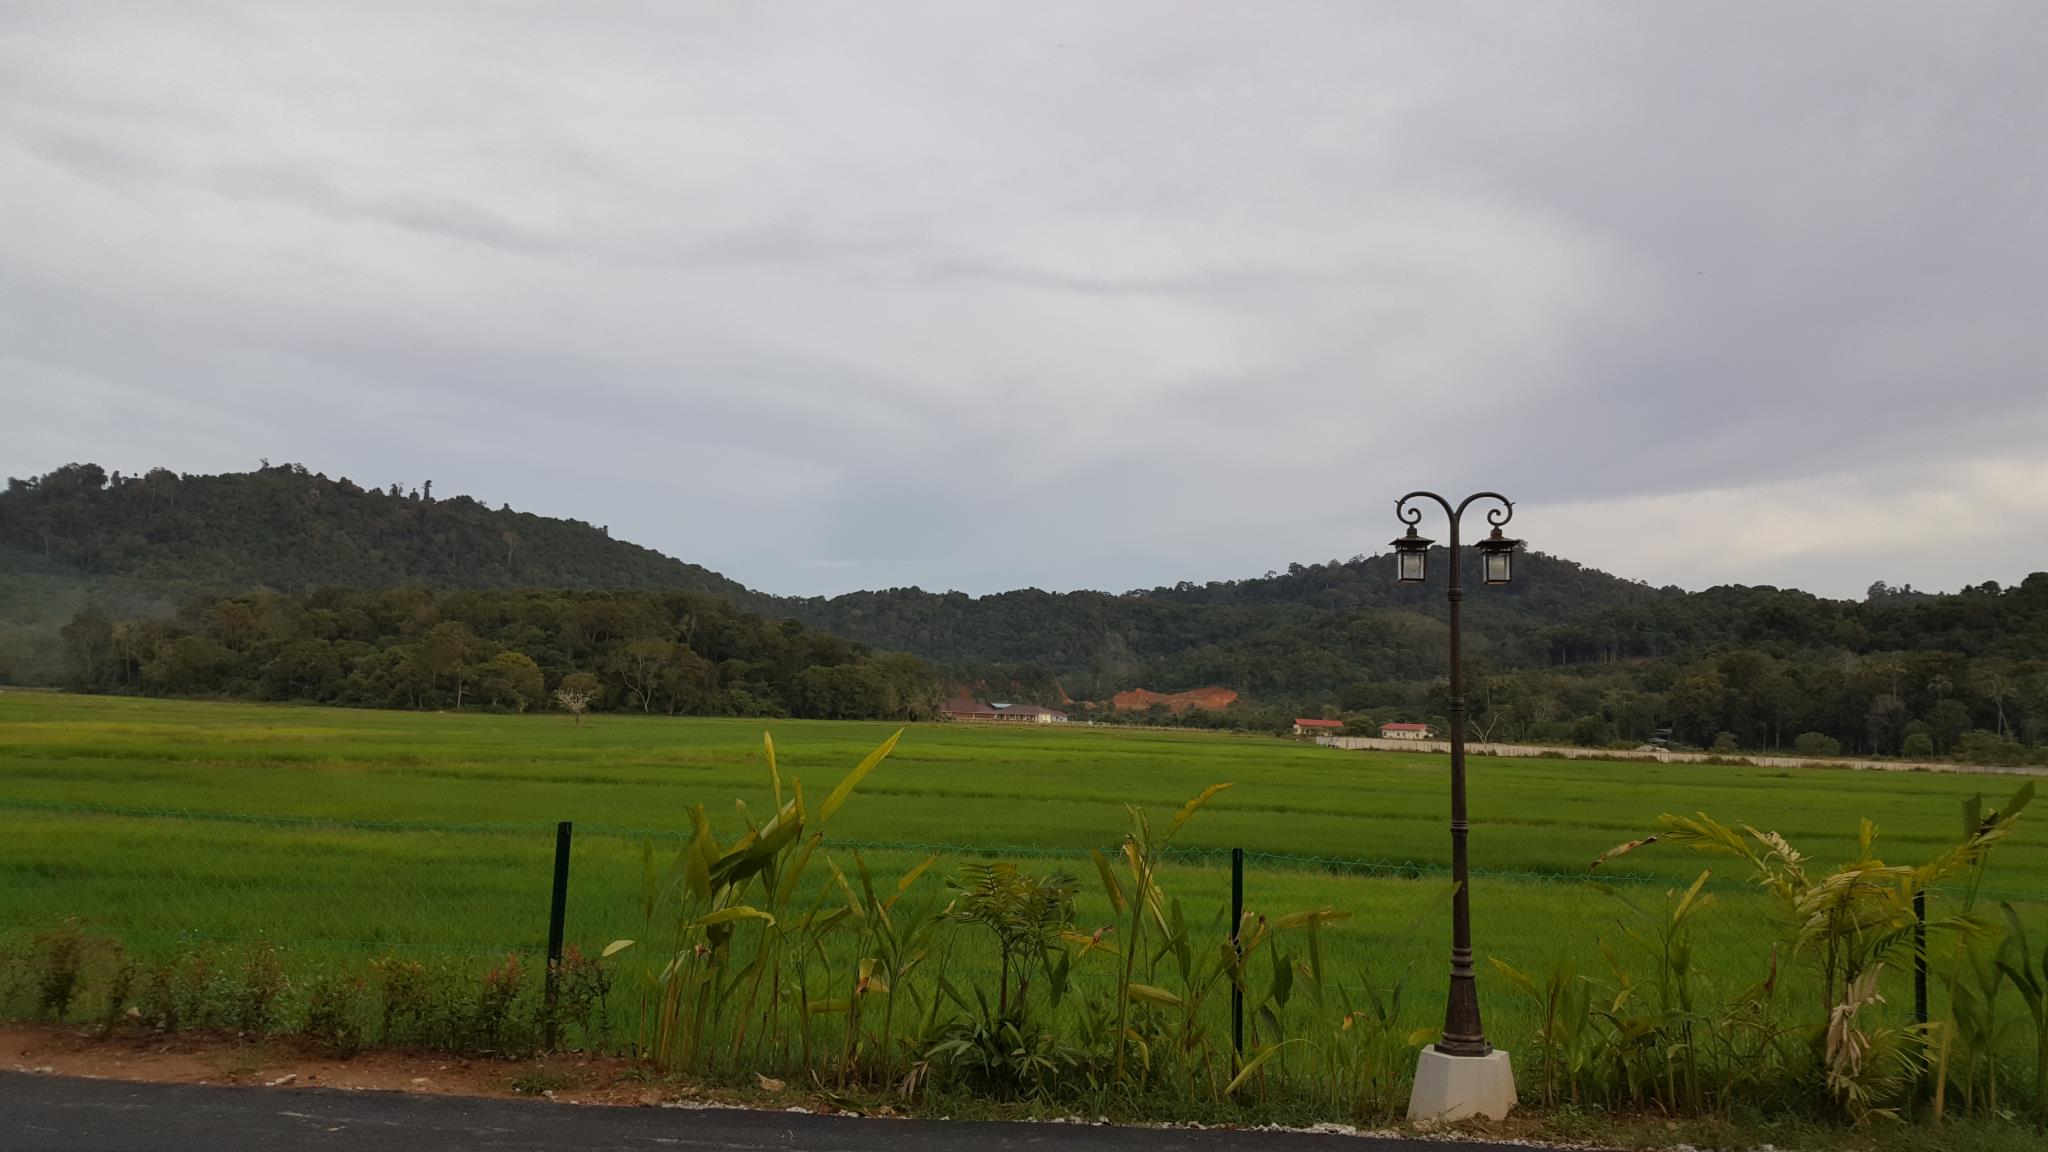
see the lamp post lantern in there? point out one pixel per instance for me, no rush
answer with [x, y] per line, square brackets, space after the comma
[1461, 1075]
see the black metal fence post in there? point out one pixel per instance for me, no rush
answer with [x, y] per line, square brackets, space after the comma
[1236, 919]
[1920, 965]
[1920, 956]
[558, 912]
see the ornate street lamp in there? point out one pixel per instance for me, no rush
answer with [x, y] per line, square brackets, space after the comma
[1461, 1075]
[1411, 557]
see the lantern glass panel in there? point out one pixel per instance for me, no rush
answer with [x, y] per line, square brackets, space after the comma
[1498, 566]
[1412, 566]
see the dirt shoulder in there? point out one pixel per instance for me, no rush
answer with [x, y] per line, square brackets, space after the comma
[217, 1060]
[187, 1058]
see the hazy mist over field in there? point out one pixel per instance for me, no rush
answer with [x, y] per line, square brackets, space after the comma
[982, 295]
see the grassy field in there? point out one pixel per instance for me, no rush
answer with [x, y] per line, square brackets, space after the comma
[327, 829]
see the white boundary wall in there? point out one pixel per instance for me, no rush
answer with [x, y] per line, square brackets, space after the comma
[1480, 748]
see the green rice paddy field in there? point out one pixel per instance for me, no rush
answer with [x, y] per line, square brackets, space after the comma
[322, 830]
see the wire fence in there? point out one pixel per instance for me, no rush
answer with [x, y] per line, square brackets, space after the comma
[163, 879]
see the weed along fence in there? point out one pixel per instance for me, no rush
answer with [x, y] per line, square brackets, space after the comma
[1256, 979]
[165, 878]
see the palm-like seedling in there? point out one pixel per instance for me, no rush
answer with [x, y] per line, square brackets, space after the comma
[2016, 962]
[1852, 920]
[707, 895]
[889, 945]
[1143, 902]
[1026, 914]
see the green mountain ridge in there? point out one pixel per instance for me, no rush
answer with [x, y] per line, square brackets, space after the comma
[139, 544]
[1564, 653]
[288, 529]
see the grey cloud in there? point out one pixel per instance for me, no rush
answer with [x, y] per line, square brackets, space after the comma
[1188, 290]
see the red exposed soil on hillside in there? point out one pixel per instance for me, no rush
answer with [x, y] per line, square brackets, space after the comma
[1140, 699]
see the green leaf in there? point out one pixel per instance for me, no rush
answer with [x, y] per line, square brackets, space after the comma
[616, 947]
[1256, 1062]
[1151, 994]
[1692, 893]
[911, 876]
[1109, 884]
[2024, 981]
[852, 901]
[1309, 918]
[854, 777]
[699, 855]
[795, 871]
[1188, 810]
[1516, 978]
[728, 915]
[1622, 849]
[774, 776]
[2019, 801]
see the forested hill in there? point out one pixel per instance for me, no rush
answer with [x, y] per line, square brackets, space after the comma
[144, 567]
[1310, 630]
[286, 529]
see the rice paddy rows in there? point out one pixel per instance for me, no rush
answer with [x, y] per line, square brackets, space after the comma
[324, 829]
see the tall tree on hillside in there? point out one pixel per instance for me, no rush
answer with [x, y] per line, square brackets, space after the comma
[1950, 719]
[687, 681]
[639, 665]
[510, 679]
[449, 649]
[89, 637]
[1994, 682]
[1885, 723]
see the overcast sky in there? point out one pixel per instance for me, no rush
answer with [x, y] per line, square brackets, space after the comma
[1094, 295]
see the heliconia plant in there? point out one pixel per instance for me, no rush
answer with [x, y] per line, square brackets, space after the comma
[770, 954]
[707, 894]
[1849, 922]
[1134, 906]
[2016, 962]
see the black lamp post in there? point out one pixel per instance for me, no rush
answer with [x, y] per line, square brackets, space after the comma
[1463, 1034]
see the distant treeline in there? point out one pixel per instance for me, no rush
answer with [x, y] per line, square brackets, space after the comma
[1304, 634]
[1565, 653]
[1899, 673]
[654, 652]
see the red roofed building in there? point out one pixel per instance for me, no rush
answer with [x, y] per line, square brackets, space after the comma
[1304, 727]
[974, 710]
[1404, 731]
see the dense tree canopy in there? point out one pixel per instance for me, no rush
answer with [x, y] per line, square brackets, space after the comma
[287, 529]
[1309, 631]
[654, 652]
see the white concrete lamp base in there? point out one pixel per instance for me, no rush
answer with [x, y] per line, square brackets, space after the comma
[1460, 1087]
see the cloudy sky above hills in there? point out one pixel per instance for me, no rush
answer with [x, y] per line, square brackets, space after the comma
[983, 295]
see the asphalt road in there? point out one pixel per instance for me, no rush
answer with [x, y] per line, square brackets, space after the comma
[42, 1113]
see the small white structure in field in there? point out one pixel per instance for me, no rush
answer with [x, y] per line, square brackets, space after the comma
[977, 712]
[1404, 731]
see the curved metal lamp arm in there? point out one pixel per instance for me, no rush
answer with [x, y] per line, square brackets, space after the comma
[1413, 516]
[1497, 517]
